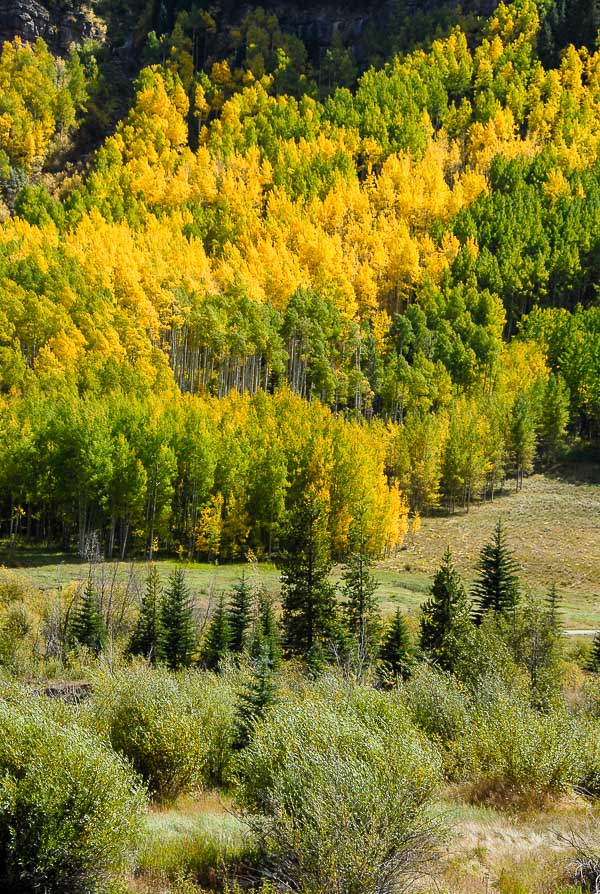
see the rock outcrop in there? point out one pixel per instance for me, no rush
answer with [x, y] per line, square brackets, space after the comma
[60, 25]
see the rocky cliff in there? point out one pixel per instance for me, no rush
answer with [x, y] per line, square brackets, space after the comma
[60, 25]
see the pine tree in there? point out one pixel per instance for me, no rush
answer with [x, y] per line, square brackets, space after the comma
[178, 635]
[395, 653]
[497, 588]
[593, 663]
[445, 619]
[265, 631]
[87, 627]
[218, 638]
[308, 597]
[257, 695]
[147, 635]
[239, 614]
[361, 608]
[553, 608]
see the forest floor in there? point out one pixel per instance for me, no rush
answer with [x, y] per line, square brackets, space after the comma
[553, 526]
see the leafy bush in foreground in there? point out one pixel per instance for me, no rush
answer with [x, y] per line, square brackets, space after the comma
[343, 781]
[512, 748]
[174, 730]
[69, 810]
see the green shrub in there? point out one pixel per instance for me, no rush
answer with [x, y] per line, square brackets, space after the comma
[343, 781]
[69, 809]
[510, 748]
[174, 730]
[439, 705]
[214, 697]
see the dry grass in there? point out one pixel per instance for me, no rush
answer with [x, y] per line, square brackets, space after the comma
[514, 854]
[553, 526]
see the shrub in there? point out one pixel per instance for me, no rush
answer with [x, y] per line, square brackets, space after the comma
[510, 748]
[214, 697]
[69, 809]
[438, 704]
[174, 731]
[343, 781]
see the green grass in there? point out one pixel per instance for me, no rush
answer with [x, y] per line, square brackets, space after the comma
[199, 840]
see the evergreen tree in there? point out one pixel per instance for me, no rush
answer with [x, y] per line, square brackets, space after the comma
[308, 597]
[87, 626]
[147, 635]
[265, 631]
[239, 614]
[363, 618]
[218, 638]
[257, 695]
[593, 663]
[553, 608]
[178, 634]
[445, 619]
[395, 653]
[497, 587]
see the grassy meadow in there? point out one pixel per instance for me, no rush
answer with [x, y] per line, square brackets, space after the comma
[552, 525]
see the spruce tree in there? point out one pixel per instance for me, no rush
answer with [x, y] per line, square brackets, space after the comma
[239, 614]
[497, 586]
[593, 663]
[309, 609]
[445, 618]
[361, 608]
[218, 638]
[395, 653]
[257, 695]
[87, 626]
[553, 602]
[146, 639]
[265, 631]
[178, 634]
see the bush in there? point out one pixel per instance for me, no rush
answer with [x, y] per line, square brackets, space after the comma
[214, 697]
[512, 749]
[69, 809]
[343, 781]
[438, 704]
[174, 731]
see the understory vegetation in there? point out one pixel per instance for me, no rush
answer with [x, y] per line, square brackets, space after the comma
[313, 749]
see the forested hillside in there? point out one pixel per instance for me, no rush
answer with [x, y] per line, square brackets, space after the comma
[265, 283]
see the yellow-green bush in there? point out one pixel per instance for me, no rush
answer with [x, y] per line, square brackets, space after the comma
[69, 807]
[174, 730]
[343, 781]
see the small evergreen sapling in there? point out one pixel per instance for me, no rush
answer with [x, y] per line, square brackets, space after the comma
[256, 697]
[361, 608]
[239, 614]
[309, 608]
[178, 635]
[445, 619]
[593, 663]
[146, 639]
[87, 627]
[265, 631]
[396, 653]
[218, 638]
